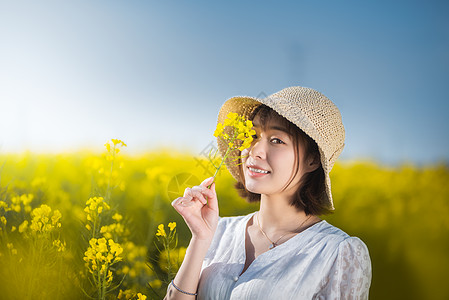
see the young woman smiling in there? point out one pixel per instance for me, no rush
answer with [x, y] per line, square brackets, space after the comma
[284, 250]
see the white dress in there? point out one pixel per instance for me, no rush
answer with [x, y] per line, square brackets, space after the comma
[322, 262]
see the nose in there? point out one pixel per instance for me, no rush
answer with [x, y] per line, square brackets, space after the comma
[257, 150]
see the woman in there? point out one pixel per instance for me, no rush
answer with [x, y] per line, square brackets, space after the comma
[284, 250]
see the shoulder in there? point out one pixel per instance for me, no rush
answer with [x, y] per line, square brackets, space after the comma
[348, 251]
[334, 242]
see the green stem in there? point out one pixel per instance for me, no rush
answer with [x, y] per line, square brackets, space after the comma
[222, 161]
[108, 190]
[167, 248]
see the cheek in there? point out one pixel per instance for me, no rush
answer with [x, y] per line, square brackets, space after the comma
[285, 161]
[244, 155]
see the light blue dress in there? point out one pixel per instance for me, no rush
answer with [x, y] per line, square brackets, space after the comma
[322, 262]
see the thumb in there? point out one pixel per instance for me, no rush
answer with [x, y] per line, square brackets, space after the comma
[207, 181]
[213, 202]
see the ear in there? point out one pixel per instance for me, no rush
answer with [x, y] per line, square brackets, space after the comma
[313, 163]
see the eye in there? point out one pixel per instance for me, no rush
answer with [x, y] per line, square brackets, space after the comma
[277, 141]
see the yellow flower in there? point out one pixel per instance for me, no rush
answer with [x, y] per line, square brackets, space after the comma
[56, 216]
[141, 297]
[117, 141]
[117, 217]
[172, 225]
[4, 205]
[238, 137]
[23, 226]
[127, 294]
[102, 254]
[161, 230]
[59, 245]
[231, 120]
[41, 217]
[218, 130]
[109, 278]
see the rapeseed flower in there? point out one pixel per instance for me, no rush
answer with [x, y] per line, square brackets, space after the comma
[102, 253]
[236, 132]
[60, 246]
[94, 207]
[161, 231]
[43, 220]
[141, 297]
[117, 217]
[129, 295]
[114, 229]
[99, 257]
[172, 225]
[23, 227]
[167, 261]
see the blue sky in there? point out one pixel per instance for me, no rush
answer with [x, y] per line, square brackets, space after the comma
[74, 74]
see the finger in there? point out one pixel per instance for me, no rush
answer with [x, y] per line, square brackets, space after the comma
[213, 201]
[204, 190]
[182, 202]
[207, 181]
[197, 193]
[207, 192]
[193, 195]
[187, 192]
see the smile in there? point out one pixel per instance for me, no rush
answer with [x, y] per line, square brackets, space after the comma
[258, 170]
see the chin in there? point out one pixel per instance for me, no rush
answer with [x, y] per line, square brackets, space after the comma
[253, 187]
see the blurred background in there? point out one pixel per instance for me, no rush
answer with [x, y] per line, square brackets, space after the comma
[155, 73]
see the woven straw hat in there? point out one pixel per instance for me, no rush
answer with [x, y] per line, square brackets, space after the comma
[308, 109]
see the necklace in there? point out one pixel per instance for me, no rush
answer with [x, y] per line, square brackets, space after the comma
[274, 244]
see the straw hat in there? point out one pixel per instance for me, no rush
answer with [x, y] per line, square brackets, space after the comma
[308, 109]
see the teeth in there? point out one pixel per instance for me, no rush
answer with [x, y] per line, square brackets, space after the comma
[258, 170]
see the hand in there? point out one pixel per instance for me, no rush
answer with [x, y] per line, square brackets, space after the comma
[199, 208]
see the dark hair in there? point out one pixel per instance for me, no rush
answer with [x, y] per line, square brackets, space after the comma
[310, 195]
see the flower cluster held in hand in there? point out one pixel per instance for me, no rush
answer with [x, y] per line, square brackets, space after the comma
[237, 133]
[241, 131]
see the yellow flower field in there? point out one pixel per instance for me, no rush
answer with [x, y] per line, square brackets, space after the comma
[81, 225]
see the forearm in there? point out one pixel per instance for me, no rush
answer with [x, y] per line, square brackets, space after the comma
[187, 278]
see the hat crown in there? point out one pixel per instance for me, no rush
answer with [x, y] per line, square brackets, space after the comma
[313, 113]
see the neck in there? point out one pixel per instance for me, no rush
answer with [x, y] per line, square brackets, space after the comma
[277, 215]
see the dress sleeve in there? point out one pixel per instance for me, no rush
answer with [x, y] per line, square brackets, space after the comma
[350, 274]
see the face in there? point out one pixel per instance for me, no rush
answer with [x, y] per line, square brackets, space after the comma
[269, 164]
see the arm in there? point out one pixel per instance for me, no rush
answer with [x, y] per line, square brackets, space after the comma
[350, 275]
[201, 216]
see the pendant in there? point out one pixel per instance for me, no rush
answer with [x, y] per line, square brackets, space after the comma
[272, 246]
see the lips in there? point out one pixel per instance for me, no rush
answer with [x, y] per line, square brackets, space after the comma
[256, 171]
